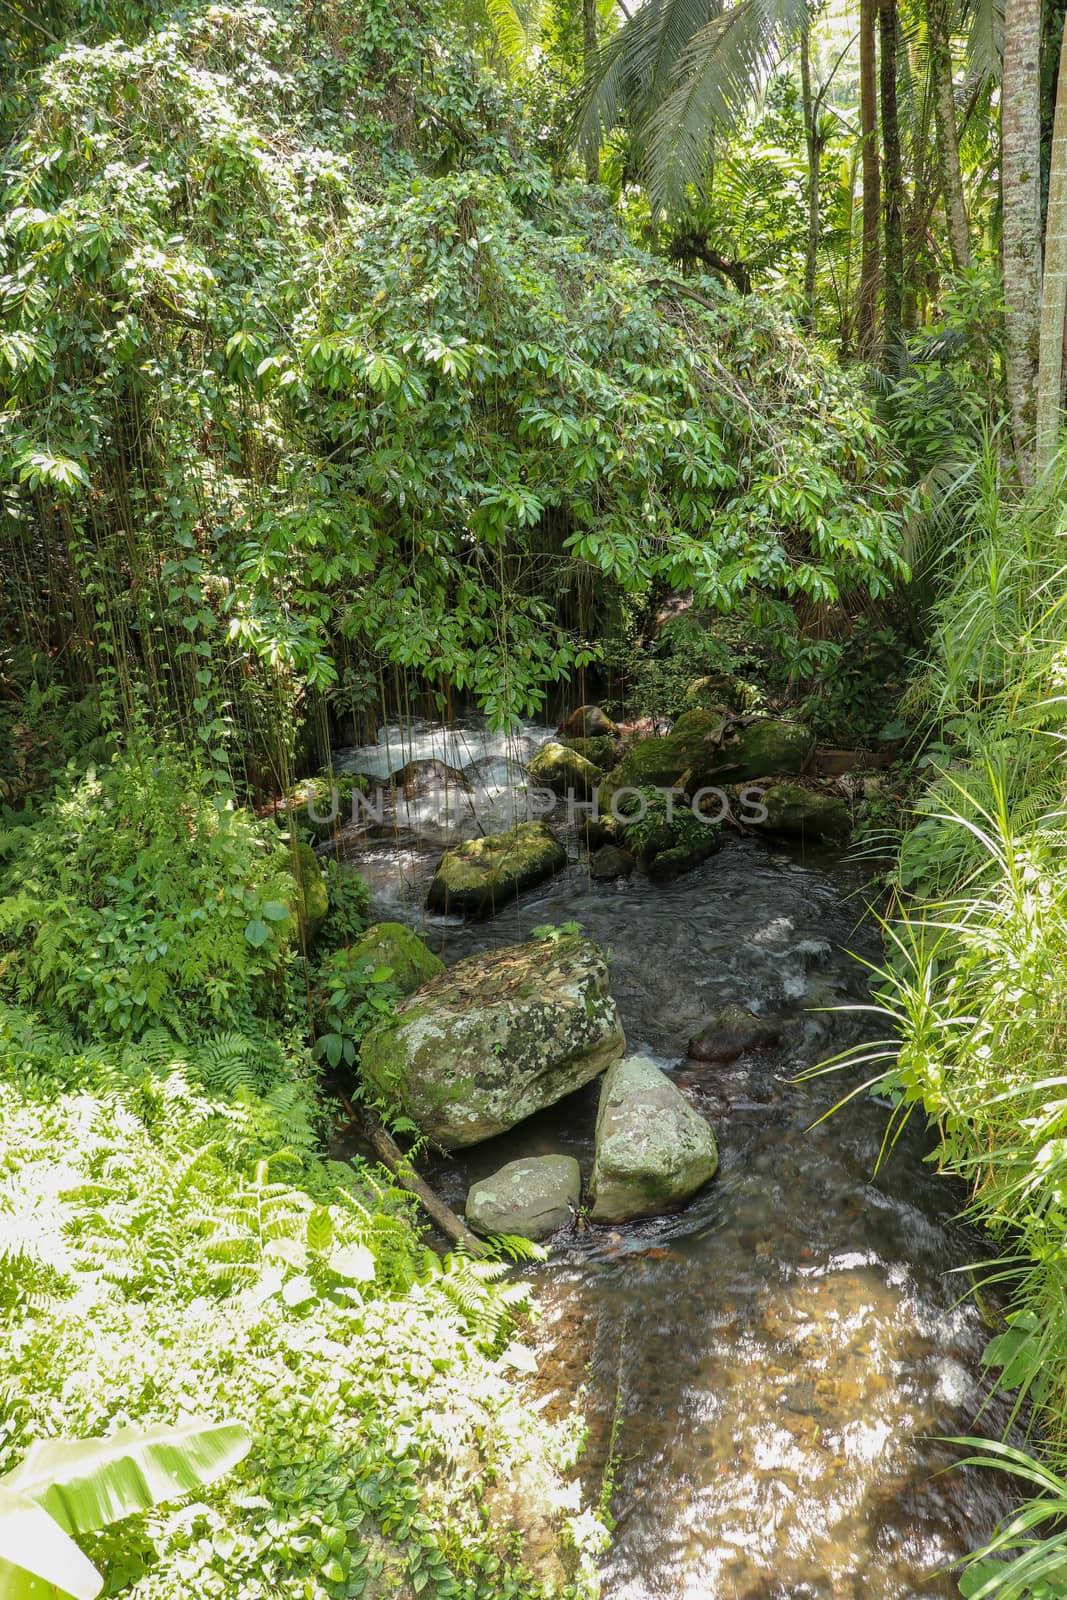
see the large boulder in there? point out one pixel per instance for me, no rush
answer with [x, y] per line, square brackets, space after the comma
[799, 813]
[662, 759]
[391, 944]
[560, 768]
[477, 878]
[652, 1149]
[417, 778]
[310, 902]
[532, 1198]
[609, 863]
[496, 1038]
[762, 749]
[588, 722]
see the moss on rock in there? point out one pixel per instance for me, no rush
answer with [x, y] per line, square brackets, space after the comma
[560, 768]
[478, 877]
[800, 813]
[391, 944]
[496, 1038]
[310, 901]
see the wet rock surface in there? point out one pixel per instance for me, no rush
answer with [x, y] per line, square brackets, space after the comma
[653, 1150]
[533, 1198]
[484, 874]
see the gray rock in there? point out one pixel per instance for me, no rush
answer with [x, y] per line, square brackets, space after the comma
[799, 813]
[652, 1149]
[496, 1038]
[531, 1198]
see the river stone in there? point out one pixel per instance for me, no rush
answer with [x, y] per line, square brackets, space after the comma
[495, 1038]
[588, 722]
[391, 944]
[599, 750]
[476, 878]
[558, 767]
[652, 1149]
[310, 902]
[729, 1033]
[801, 813]
[531, 1198]
[608, 863]
[661, 759]
[760, 749]
[426, 777]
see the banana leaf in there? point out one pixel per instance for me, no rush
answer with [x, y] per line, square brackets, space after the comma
[37, 1560]
[86, 1484]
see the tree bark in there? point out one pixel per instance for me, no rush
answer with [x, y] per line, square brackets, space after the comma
[811, 141]
[589, 49]
[893, 216]
[870, 257]
[1054, 284]
[948, 147]
[1021, 205]
[390, 1155]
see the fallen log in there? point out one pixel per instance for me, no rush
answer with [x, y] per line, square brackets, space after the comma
[390, 1155]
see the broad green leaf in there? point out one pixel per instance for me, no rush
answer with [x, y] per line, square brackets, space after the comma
[86, 1484]
[257, 933]
[354, 1262]
[36, 1556]
[276, 911]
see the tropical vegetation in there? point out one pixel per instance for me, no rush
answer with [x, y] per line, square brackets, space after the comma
[357, 354]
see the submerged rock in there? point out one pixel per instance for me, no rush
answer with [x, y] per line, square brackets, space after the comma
[760, 749]
[560, 768]
[479, 876]
[731, 1032]
[608, 863]
[496, 1038]
[532, 1198]
[806, 813]
[586, 723]
[426, 777]
[310, 901]
[391, 944]
[652, 1149]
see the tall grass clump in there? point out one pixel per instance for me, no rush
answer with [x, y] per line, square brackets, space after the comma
[974, 987]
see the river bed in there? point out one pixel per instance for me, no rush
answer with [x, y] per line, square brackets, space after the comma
[780, 1357]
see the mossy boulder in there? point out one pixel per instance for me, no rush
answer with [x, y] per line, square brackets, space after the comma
[478, 877]
[653, 1150]
[762, 749]
[532, 1198]
[496, 1038]
[609, 862]
[731, 1032]
[799, 813]
[587, 722]
[715, 690]
[391, 944]
[558, 767]
[600, 751]
[310, 902]
[660, 760]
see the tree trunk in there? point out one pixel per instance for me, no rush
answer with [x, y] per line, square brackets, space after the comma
[948, 148]
[870, 257]
[1021, 206]
[888, 27]
[811, 141]
[589, 49]
[1054, 283]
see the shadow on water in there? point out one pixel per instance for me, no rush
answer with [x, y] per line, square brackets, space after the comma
[783, 1353]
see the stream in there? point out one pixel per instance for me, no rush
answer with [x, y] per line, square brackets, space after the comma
[780, 1356]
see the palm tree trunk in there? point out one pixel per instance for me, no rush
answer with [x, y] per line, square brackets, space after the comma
[1021, 204]
[811, 141]
[888, 28]
[1054, 283]
[589, 49]
[948, 148]
[870, 255]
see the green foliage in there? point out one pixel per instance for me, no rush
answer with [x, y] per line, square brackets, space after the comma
[354, 994]
[349, 906]
[855, 701]
[309, 256]
[137, 900]
[292, 1295]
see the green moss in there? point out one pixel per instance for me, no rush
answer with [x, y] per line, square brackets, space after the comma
[562, 769]
[476, 877]
[310, 901]
[599, 750]
[391, 944]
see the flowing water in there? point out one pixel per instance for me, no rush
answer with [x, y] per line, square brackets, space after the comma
[779, 1358]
